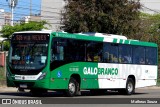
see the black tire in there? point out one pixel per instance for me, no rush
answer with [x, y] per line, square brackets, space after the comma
[72, 88]
[130, 87]
[38, 92]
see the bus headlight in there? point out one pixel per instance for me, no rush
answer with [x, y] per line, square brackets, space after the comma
[42, 76]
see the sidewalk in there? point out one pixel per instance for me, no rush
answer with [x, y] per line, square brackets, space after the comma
[150, 87]
[7, 89]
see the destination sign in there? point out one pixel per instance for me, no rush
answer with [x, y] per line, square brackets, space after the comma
[30, 37]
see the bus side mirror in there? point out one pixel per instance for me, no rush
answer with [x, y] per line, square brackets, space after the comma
[2, 44]
[1, 47]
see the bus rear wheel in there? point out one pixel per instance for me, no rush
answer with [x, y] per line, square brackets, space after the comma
[72, 88]
[130, 87]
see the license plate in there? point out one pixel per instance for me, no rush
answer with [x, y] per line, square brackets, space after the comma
[23, 85]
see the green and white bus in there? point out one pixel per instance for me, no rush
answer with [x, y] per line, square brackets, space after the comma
[43, 60]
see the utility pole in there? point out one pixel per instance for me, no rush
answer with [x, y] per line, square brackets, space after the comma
[30, 7]
[12, 5]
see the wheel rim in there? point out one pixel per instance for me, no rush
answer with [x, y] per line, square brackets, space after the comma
[130, 87]
[72, 88]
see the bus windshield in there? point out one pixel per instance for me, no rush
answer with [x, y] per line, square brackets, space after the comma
[28, 51]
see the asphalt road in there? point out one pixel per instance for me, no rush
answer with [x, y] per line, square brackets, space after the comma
[146, 93]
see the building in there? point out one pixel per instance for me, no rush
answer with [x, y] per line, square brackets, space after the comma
[2, 21]
[5, 18]
[8, 17]
[51, 12]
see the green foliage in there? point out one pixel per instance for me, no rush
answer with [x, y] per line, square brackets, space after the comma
[8, 30]
[6, 45]
[107, 16]
[150, 29]
[158, 82]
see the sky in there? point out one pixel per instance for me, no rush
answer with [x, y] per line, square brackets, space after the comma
[23, 8]
[152, 5]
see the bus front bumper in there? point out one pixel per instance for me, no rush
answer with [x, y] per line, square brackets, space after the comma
[28, 84]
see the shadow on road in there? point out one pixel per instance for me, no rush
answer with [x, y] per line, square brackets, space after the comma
[59, 94]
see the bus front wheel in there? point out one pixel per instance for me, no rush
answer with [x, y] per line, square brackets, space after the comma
[72, 88]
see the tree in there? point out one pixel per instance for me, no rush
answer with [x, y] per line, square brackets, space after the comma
[7, 30]
[107, 16]
[150, 29]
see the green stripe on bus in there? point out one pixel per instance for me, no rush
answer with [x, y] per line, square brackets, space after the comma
[121, 41]
[77, 36]
[126, 42]
[141, 43]
[114, 40]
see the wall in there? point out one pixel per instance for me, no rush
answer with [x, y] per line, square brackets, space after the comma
[51, 11]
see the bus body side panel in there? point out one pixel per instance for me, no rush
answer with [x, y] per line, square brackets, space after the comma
[103, 75]
[145, 75]
[60, 76]
[94, 76]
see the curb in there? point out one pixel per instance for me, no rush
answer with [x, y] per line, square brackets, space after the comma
[150, 87]
[7, 89]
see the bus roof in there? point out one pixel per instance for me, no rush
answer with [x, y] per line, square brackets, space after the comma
[44, 31]
[106, 38]
[99, 37]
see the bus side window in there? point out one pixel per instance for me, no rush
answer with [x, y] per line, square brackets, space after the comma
[106, 54]
[141, 61]
[94, 51]
[125, 54]
[54, 51]
[57, 51]
[138, 55]
[110, 53]
[151, 56]
[89, 57]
